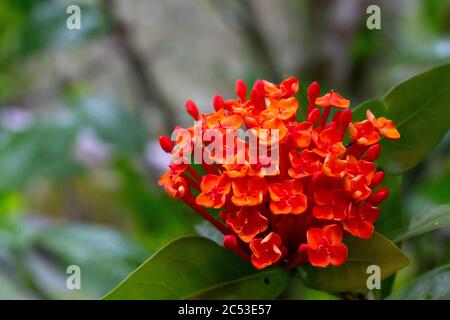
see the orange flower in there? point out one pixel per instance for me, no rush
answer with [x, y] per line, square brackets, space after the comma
[267, 251]
[174, 186]
[247, 222]
[239, 166]
[384, 126]
[248, 191]
[333, 99]
[361, 167]
[299, 135]
[287, 197]
[334, 167]
[360, 220]
[322, 185]
[218, 120]
[270, 131]
[328, 141]
[283, 109]
[336, 208]
[304, 164]
[264, 166]
[364, 133]
[286, 89]
[325, 246]
[214, 190]
[357, 187]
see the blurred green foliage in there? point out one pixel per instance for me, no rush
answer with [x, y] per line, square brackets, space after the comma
[102, 210]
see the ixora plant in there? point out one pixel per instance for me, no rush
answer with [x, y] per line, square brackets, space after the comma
[302, 192]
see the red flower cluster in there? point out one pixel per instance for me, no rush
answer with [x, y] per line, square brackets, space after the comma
[320, 191]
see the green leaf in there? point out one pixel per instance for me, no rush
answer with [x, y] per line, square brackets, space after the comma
[104, 255]
[352, 275]
[433, 285]
[419, 109]
[392, 217]
[197, 268]
[430, 220]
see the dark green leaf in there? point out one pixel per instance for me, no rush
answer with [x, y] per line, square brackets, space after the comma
[419, 109]
[392, 218]
[430, 220]
[433, 285]
[352, 275]
[197, 268]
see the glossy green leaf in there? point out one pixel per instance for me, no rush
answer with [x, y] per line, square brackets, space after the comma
[197, 268]
[430, 220]
[392, 217]
[352, 275]
[433, 285]
[419, 109]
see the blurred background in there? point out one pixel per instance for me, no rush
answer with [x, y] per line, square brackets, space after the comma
[81, 111]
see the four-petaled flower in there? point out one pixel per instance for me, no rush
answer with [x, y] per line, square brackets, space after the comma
[360, 220]
[248, 191]
[325, 246]
[266, 251]
[214, 191]
[247, 222]
[287, 197]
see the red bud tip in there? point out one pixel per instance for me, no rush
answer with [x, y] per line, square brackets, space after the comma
[258, 94]
[313, 91]
[192, 109]
[218, 102]
[377, 179]
[337, 117]
[231, 242]
[346, 118]
[166, 144]
[241, 90]
[373, 153]
[314, 116]
[378, 197]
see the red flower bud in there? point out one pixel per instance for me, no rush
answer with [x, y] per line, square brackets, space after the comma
[257, 96]
[373, 153]
[231, 242]
[314, 116]
[377, 179]
[241, 90]
[313, 91]
[166, 144]
[337, 117]
[218, 102]
[192, 109]
[345, 119]
[378, 197]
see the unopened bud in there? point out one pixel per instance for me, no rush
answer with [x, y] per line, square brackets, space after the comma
[218, 102]
[377, 179]
[241, 90]
[373, 152]
[166, 144]
[314, 116]
[346, 118]
[378, 197]
[313, 91]
[192, 109]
